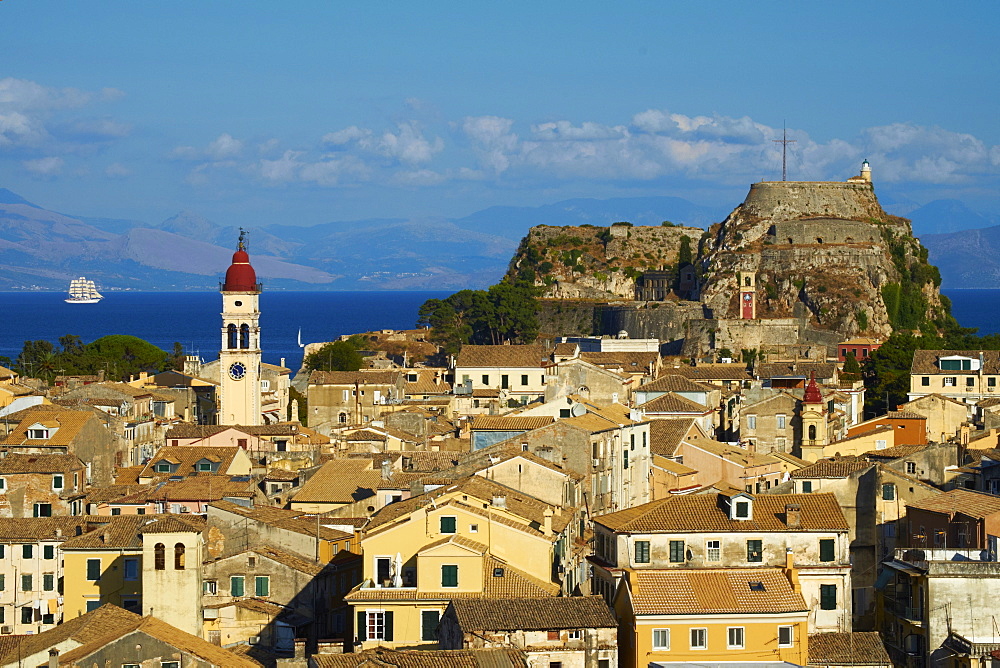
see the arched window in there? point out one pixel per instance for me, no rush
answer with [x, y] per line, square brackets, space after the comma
[160, 551]
[812, 432]
[231, 330]
[244, 336]
[179, 557]
[342, 418]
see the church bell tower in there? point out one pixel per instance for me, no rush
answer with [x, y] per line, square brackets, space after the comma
[239, 359]
[748, 295]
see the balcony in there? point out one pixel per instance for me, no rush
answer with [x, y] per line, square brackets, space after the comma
[904, 610]
[920, 556]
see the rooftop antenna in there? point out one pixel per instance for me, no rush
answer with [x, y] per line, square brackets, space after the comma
[784, 141]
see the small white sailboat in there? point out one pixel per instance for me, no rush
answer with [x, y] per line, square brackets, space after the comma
[301, 345]
[83, 291]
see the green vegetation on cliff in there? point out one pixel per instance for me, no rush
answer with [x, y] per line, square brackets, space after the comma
[506, 313]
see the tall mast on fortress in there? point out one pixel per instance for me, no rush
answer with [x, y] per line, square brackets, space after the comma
[784, 141]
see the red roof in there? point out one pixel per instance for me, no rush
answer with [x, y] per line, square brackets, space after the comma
[240, 277]
[813, 395]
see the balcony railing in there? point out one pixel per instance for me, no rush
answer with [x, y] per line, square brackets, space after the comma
[922, 555]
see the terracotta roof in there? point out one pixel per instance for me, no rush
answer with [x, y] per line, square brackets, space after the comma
[128, 475]
[790, 459]
[732, 453]
[289, 520]
[69, 424]
[203, 488]
[674, 403]
[860, 648]
[904, 415]
[565, 349]
[626, 361]
[511, 423]
[925, 362]
[340, 481]
[187, 457]
[832, 468]
[714, 591]
[288, 559]
[16, 462]
[988, 402]
[966, 501]
[165, 633]
[206, 430]
[94, 625]
[125, 531]
[796, 369]
[34, 529]
[698, 513]
[894, 452]
[709, 372]
[119, 494]
[533, 614]
[354, 377]
[383, 657]
[674, 467]
[524, 356]
[281, 475]
[672, 382]
[666, 435]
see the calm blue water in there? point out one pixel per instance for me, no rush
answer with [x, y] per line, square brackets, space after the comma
[193, 318]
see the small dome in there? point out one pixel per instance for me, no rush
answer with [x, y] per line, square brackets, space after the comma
[240, 277]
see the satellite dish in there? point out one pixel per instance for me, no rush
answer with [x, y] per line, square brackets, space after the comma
[578, 410]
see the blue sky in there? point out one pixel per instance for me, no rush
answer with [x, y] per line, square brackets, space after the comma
[307, 112]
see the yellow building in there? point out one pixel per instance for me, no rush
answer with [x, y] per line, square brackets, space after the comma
[708, 616]
[474, 538]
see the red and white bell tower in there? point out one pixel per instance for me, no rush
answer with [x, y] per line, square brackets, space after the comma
[748, 295]
[239, 358]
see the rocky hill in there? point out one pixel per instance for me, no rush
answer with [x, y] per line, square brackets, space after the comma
[826, 254]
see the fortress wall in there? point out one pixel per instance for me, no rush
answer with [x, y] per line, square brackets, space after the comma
[713, 334]
[795, 199]
[658, 320]
[824, 231]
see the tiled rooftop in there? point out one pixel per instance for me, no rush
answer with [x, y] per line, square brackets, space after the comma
[714, 591]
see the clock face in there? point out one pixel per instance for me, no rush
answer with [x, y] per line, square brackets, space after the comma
[747, 297]
[237, 370]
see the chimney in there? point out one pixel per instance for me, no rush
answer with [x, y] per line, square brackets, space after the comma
[791, 572]
[300, 648]
[547, 521]
[53, 658]
[386, 469]
[58, 533]
[793, 516]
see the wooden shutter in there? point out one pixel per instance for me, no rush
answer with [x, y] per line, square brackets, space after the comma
[387, 635]
[362, 633]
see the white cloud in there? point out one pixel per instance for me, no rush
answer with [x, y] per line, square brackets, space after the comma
[50, 166]
[492, 140]
[117, 170]
[224, 146]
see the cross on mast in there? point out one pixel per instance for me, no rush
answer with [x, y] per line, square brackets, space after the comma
[784, 141]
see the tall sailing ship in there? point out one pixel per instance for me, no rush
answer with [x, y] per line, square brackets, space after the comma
[83, 291]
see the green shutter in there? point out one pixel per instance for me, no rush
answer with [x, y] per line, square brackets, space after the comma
[236, 585]
[262, 585]
[93, 569]
[48, 552]
[388, 625]
[826, 549]
[888, 491]
[828, 597]
[362, 630]
[448, 524]
[48, 582]
[642, 551]
[676, 551]
[449, 575]
[26, 583]
[2, 583]
[429, 625]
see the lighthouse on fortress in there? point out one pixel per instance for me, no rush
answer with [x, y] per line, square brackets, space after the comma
[239, 358]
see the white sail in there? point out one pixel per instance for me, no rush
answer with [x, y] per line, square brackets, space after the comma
[83, 291]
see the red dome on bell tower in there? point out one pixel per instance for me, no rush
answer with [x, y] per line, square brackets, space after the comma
[812, 395]
[240, 277]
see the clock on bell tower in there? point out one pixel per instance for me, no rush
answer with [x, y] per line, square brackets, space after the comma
[748, 295]
[239, 358]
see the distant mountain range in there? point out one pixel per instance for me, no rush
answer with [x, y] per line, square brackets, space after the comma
[43, 250]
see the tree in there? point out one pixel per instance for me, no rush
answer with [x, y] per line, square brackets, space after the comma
[507, 312]
[336, 356]
[35, 360]
[852, 370]
[122, 356]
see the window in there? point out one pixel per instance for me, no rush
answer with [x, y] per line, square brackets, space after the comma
[699, 638]
[383, 567]
[807, 486]
[179, 557]
[827, 549]
[244, 335]
[661, 639]
[755, 550]
[93, 569]
[3, 586]
[991, 381]
[524, 379]
[26, 583]
[170, 664]
[925, 381]
[210, 587]
[93, 604]
[574, 634]
[949, 381]
[132, 569]
[57, 482]
[676, 551]
[812, 432]
[262, 585]
[642, 551]
[734, 637]
[625, 458]
[970, 381]
[231, 331]
[742, 509]
[236, 585]
[160, 556]
[205, 466]
[48, 582]
[429, 625]
[27, 551]
[449, 575]
[27, 614]
[911, 467]
[780, 420]
[713, 550]
[880, 444]
[42, 510]
[448, 524]
[162, 467]
[786, 636]
[375, 625]
[486, 379]
[888, 492]
[48, 552]
[751, 422]
[828, 597]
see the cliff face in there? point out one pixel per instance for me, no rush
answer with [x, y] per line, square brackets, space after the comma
[827, 246]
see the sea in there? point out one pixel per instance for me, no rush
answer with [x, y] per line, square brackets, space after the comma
[193, 319]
